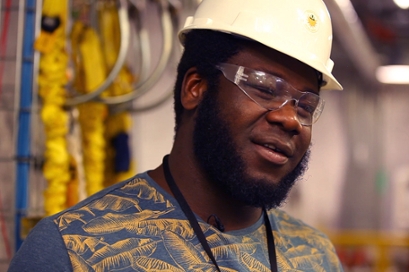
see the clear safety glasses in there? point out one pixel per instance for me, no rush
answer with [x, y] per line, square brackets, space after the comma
[272, 93]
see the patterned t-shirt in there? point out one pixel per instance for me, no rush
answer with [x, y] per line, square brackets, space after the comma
[137, 226]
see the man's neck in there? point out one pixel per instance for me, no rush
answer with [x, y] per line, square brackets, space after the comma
[204, 197]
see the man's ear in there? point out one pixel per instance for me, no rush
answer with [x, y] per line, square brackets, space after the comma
[193, 88]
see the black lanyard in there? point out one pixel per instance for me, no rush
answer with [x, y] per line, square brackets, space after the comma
[198, 231]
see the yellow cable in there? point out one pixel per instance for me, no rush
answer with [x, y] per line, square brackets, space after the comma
[91, 72]
[120, 122]
[52, 79]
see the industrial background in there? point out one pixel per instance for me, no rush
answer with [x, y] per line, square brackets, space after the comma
[81, 80]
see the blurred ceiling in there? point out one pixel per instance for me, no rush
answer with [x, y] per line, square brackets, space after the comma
[368, 34]
[387, 27]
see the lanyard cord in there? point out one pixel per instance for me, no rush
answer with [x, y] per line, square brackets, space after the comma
[198, 231]
[186, 209]
[270, 242]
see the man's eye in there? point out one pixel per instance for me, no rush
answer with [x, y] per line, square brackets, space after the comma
[307, 107]
[266, 90]
[262, 89]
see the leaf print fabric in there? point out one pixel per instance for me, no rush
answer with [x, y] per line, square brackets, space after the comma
[137, 226]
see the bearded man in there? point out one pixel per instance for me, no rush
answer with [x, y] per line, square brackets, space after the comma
[247, 94]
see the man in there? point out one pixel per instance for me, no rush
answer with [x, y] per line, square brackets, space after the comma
[246, 96]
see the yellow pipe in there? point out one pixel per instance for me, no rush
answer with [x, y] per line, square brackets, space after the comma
[382, 241]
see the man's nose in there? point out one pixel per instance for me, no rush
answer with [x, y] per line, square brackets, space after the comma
[286, 115]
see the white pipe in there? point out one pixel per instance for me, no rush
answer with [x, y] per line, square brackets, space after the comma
[352, 36]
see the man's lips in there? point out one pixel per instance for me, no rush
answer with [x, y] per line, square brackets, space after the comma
[275, 152]
[277, 146]
[273, 148]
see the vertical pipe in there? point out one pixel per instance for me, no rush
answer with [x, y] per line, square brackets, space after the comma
[17, 91]
[35, 196]
[24, 115]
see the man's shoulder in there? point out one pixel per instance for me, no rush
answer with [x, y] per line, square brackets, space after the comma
[296, 238]
[132, 196]
[285, 220]
[293, 228]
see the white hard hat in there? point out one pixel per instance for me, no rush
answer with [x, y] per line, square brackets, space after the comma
[298, 28]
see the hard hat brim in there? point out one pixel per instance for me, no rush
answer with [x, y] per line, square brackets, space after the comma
[285, 47]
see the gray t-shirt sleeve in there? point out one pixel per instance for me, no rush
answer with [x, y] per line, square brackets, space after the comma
[42, 250]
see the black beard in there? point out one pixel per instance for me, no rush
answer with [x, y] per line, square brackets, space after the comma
[222, 164]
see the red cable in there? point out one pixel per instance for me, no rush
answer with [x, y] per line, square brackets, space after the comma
[3, 50]
[3, 41]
